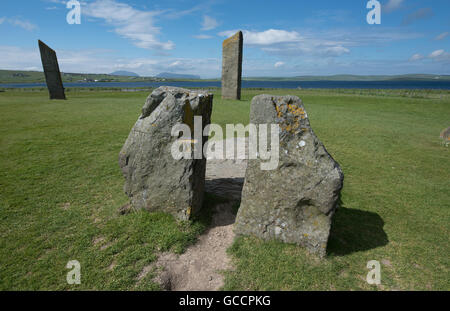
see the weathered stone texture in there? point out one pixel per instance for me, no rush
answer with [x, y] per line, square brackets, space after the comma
[154, 179]
[295, 202]
[51, 71]
[232, 66]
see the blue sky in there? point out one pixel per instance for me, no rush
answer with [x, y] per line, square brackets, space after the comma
[281, 38]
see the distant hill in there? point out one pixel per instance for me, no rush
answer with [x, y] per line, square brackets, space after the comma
[20, 76]
[170, 75]
[124, 73]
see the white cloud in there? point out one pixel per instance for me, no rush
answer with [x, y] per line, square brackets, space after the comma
[106, 61]
[437, 56]
[15, 58]
[203, 37]
[278, 64]
[175, 64]
[440, 56]
[416, 57]
[267, 37]
[18, 22]
[175, 14]
[442, 36]
[209, 23]
[128, 22]
[392, 5]
[336, 50]
[22, 23]
[283, 42]
[437, 53]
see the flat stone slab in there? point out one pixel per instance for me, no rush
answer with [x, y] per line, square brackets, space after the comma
[51, 71]
[232, 66]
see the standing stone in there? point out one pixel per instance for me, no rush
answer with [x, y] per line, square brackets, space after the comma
[51, 71]
[295, 202]
[232, 66]
[154, 179]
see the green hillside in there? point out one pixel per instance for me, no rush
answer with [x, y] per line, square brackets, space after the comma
[18, 76]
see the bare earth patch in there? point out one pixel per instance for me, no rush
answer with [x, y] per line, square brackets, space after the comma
[200, 267]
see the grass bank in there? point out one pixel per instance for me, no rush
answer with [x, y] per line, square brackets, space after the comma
[60, 188]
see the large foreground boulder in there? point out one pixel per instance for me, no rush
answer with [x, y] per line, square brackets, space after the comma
[294, 202]
[154, 179]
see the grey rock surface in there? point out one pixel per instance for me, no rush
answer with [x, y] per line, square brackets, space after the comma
[295, 202]
[232, 66]
[154, 179]
[445, 136]
[51, 71]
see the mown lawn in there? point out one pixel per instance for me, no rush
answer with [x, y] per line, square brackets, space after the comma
[60, 189]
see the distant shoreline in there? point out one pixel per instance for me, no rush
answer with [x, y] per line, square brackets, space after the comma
[263, 84]
[26, 77]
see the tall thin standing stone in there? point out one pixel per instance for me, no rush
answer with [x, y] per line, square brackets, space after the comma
[51, 71]
[232, 66]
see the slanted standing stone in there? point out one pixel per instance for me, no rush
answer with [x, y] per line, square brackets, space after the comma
[295, 202]
[154, 179]
[232, 66]
[51, 71]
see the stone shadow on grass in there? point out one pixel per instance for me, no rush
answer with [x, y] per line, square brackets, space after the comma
[354, 230]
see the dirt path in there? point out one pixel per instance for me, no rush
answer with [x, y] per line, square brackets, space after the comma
[200, 266]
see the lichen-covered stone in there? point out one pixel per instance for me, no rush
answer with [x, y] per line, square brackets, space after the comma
[232, 66]
[154, 179]
[51, 71]
[295, 202]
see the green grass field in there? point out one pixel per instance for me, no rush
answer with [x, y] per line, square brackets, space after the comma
[61, 187]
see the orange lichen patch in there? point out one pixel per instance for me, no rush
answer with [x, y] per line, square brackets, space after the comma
[295, 110]
[292, 120]
[279, 113]
[232, 39]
